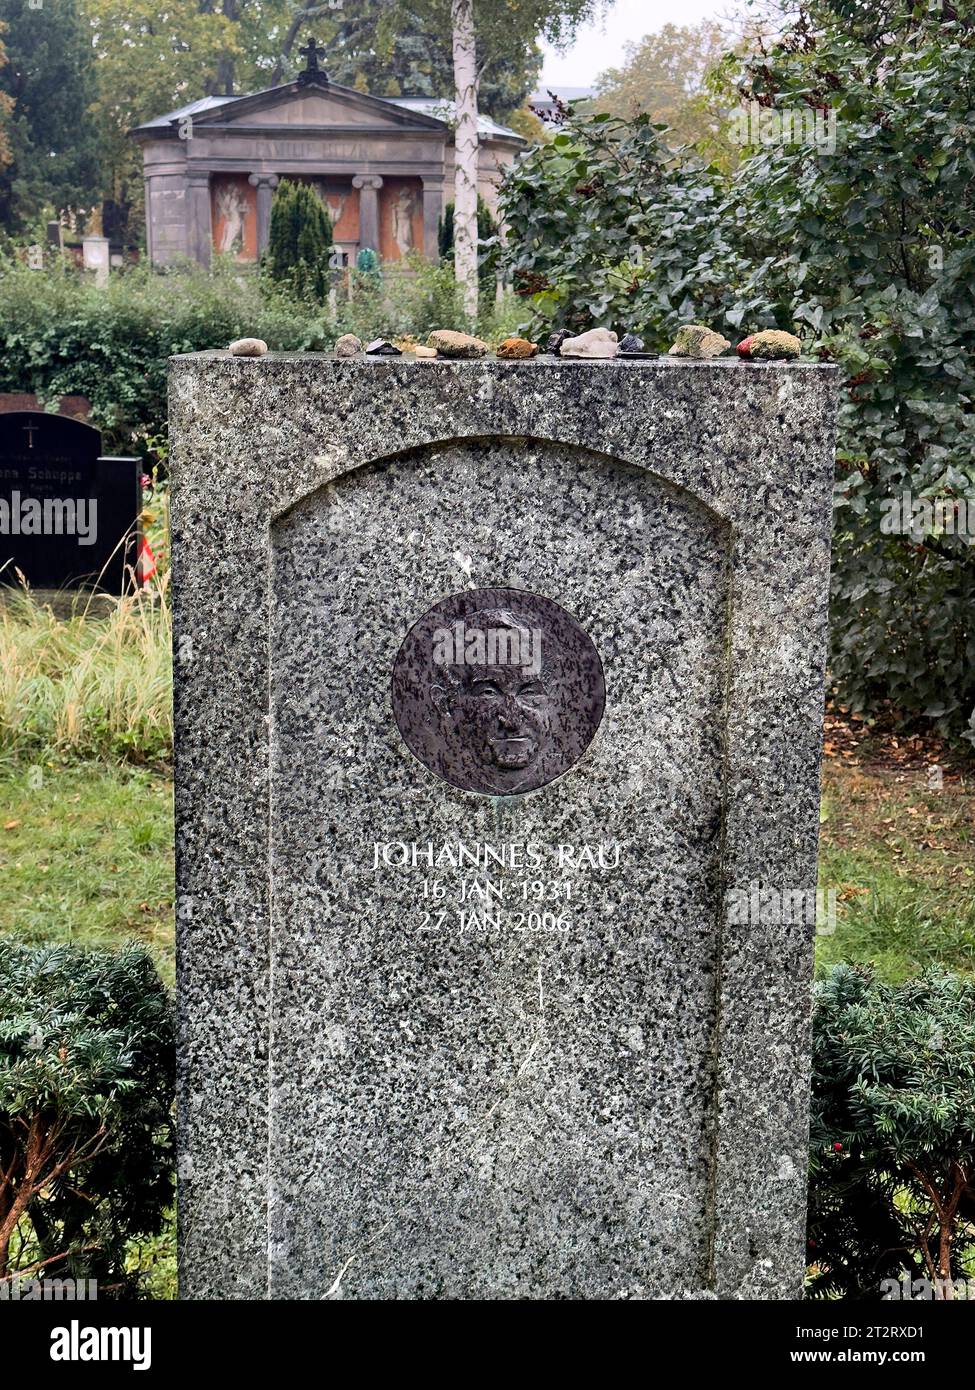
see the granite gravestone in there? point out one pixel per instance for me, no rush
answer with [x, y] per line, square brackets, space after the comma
[68, 516]
[489, 776]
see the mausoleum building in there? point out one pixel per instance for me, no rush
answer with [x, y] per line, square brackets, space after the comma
[384, 168]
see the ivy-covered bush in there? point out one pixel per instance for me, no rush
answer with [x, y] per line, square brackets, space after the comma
[86, 1094]
[874, 250]
[868, 248]
[605, 227]
[892, 1174]
[59, 335]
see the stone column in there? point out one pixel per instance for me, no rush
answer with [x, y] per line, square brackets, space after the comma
[368, 186]
[199, 231]
[150, 220]
[265, 185]
[432, 213]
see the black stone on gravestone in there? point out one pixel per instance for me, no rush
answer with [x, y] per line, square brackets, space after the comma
[69, 517]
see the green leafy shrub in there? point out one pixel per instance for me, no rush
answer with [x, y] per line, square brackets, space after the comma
[874, 250]
[606, 227]
[86, 1093]
[409, 297]
[892, 1177]
[60, 335]
[414, 297]
[869, 249]
[299, 242]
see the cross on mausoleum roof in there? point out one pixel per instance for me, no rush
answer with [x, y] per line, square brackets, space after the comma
[311, 52]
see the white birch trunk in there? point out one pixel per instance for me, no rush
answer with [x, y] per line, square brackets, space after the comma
[465, 153]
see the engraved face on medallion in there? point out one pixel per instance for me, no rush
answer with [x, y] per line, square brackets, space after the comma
[498, 691]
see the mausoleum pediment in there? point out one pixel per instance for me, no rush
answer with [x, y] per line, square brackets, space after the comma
[313, 105]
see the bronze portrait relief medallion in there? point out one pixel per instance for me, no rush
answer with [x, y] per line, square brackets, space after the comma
[498, 691]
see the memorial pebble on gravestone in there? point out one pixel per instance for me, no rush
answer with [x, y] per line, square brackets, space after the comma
[69, 517]
[497, 810]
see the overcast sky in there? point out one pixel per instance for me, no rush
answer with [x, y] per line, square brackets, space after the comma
[600, 46]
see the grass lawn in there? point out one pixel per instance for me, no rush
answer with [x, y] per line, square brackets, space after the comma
[900, 853]
[86, 855]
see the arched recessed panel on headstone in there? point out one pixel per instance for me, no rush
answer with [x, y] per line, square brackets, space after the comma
[445, 813]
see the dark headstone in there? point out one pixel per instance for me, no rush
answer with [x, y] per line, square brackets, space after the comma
[68, 516]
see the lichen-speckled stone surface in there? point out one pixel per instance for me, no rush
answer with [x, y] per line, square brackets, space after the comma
[380, 1101]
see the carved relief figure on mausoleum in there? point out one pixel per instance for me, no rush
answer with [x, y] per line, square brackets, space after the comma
[401, 220]
[234, 214]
